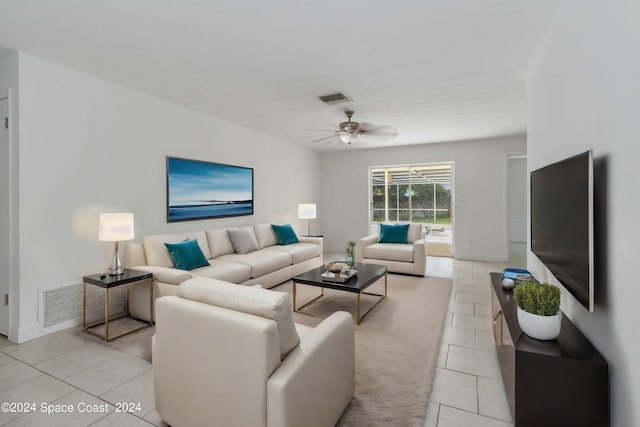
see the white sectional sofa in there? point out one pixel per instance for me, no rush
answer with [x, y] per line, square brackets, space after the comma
[268, 266]
[405, 258]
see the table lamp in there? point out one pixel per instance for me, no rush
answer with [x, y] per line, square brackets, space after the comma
[307, 211]
[115, 227]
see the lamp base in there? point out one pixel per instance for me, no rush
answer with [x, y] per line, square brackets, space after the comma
[115, 269]
[115, 272]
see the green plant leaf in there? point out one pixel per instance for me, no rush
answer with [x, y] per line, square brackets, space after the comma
[542, 299]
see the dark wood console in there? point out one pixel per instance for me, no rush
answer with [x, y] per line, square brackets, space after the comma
[562, 382]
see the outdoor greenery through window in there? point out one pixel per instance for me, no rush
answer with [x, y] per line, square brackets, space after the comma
[412, 193]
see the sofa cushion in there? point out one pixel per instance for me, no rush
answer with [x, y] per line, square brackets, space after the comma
[261, 262]
[299, 252]
[187, 255]
[265, 235]
[219, 242]
[285, 234]
[243, 240]
[233, 272]
[389, 252]
[158, 254]
[393, 233]
[247, 299]
[415, 232]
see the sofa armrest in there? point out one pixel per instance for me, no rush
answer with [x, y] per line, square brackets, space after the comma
[309, 239]
[316, 381]
[316, 240]
[363, 243]
[420, 257]
[172, 276]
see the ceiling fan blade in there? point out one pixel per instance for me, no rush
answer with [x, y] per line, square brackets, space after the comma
[326, 128]
[384, 134]
[377, 128]
[329, 139]
[380, 132]
[320, 133]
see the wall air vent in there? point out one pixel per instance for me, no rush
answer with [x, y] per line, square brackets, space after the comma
[334, 98]
[65, 303]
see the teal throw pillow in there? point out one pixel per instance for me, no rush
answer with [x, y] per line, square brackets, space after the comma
[393, 233]
[285, 234]
[187, 255]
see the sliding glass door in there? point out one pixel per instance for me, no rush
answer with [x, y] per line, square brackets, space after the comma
[417, 193]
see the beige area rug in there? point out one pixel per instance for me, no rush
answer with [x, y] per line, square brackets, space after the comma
[397, 346]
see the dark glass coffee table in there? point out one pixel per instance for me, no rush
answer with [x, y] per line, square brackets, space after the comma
[367, 275]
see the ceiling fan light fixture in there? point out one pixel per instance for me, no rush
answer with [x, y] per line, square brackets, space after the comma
[349, 131]
[349, 127]
[349, 137]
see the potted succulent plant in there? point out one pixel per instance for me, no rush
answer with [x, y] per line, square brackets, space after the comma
[539, 312]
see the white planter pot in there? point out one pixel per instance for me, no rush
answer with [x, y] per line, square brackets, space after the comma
[540, 327]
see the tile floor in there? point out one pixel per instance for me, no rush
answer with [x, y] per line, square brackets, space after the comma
[75, 369]
[468, 388]
[72, 368]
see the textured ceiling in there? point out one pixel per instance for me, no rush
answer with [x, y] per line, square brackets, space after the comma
[435, 70]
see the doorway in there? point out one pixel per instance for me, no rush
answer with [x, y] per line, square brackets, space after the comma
[4, 213]
[517, 209]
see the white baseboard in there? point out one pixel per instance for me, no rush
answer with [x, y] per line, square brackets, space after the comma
[25, 333]
[472, 256]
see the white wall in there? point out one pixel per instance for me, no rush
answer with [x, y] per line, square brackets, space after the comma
[89, 146]
[479, 192]
[584, 93]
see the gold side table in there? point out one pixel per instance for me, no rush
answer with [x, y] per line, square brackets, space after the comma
[107, 282]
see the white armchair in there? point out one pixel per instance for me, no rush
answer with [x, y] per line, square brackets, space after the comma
[406, 258]
[220, 366]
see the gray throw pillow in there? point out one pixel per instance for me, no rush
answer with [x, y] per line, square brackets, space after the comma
[242, 241]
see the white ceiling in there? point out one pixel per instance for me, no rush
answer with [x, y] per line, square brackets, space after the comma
[436, 70]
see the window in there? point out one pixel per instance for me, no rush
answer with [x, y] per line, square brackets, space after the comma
[419, 193]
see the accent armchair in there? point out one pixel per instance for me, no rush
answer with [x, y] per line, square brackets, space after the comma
[230, 355]
[407, 257]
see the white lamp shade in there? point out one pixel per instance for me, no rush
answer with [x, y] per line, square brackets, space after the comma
[115, 227]
[307, 211]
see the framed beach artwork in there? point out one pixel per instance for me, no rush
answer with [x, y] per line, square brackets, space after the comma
[199, 190]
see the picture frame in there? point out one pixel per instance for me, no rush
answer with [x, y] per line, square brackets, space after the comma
[198, 189]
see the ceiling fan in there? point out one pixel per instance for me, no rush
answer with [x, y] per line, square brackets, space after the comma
[349, 132]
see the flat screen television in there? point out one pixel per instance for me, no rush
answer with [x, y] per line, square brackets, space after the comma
[199, 190]
[562, 223]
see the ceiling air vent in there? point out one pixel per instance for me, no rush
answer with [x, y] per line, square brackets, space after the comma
[334, 98]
